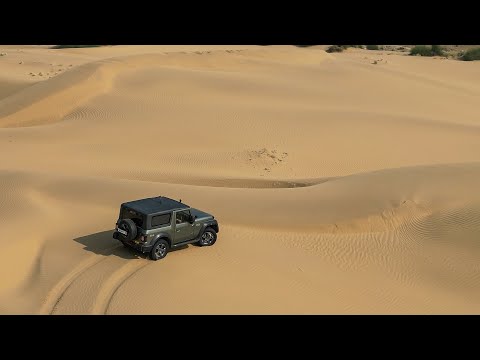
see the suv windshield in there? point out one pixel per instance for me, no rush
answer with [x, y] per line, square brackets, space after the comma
[138, 219]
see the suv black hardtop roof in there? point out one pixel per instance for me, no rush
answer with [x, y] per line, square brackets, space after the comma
[155, 205]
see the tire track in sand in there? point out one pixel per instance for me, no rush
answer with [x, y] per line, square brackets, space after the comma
[89, 288]
[56, 294]
[113, 283]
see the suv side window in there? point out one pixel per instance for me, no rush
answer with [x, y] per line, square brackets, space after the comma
[182, 217]
[159, 220]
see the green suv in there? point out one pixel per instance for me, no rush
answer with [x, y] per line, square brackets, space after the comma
[155, 225]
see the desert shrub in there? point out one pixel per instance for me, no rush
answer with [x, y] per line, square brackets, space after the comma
[423, 50]
[437, 50]
[334, 48]
[340, 48]
[373, 47]
[471, 54]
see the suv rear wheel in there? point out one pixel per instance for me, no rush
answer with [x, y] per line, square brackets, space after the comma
[159, 250]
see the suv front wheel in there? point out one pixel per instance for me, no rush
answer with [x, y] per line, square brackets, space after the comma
[159, 250]
[208, 238]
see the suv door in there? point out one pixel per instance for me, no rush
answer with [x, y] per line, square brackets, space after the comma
[183, 229]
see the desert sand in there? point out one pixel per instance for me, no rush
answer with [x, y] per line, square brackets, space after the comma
[343, 183]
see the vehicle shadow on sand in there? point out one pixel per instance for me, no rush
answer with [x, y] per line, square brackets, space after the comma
[102, 243]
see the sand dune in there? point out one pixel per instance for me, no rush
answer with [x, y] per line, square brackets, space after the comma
[341, 186]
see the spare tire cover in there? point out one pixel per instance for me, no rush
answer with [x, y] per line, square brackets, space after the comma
[130, 227]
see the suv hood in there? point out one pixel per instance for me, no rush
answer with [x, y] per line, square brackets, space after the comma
[200, 214]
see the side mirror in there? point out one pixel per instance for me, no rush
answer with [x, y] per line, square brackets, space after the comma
[192, 218]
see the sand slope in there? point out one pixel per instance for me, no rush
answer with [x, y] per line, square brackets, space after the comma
[341, 186]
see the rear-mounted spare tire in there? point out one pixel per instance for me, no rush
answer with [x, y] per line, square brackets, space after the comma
[130, 227]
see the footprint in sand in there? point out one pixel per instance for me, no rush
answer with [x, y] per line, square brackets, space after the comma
[264, 159]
